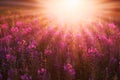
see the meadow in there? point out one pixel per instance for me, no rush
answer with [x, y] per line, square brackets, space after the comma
[32, 50]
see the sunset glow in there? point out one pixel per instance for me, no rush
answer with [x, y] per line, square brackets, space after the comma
[72, 11]
[59, 39]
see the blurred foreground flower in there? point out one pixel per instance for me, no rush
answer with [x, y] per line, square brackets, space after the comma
[26, 77]
[69, 68]
[43, 74]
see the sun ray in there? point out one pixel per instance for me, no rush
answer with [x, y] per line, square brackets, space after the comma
[69, 12]
[73, 13]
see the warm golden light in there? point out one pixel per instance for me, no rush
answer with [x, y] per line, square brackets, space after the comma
[72, 11]
[75, 15]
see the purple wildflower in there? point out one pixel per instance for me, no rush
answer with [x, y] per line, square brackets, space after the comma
[1, 76]
[69, 68]
[42, 74]
[41, 71]
[14, 29]
[10, 58]
[112, 25]
[26, 77]
[19, 23]
[4, 26]
[48, 51]
[92, 50]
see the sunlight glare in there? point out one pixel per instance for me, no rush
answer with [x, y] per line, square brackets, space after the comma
[71, 11]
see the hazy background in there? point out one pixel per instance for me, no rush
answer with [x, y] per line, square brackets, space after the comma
[34, 3]
[9, 2]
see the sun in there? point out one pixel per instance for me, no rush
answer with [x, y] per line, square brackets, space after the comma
[71, 11]
[73, 15]
[70, 4]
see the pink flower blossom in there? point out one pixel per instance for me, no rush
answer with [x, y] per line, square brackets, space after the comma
[4, 26]
[14, 29]
[47, 52]
[19, 23]
[112, 25]
[10, 58]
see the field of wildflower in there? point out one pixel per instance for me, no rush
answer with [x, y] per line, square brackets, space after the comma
[31, 50]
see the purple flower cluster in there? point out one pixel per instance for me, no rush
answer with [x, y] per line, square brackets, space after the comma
[26, 77]
[69, 68]
[34, 51]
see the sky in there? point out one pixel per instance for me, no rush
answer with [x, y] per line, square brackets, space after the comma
[30, 3]
[17, 2]
[6, 1]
